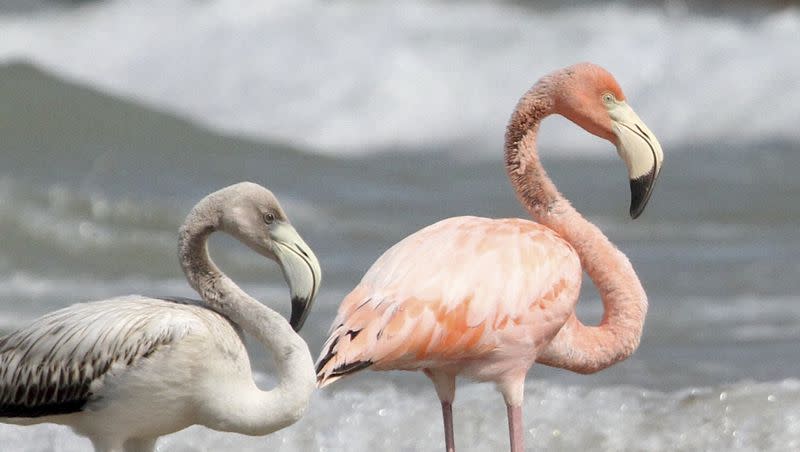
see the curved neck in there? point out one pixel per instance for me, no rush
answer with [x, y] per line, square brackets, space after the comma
[260, 412]
[576, 347]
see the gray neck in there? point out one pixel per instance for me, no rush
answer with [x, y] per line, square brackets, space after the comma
[270, 410]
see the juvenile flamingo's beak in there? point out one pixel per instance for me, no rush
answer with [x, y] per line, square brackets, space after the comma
[300, 268]
[641, 152]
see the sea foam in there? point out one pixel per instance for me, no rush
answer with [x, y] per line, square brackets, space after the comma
[745, 416]
[352, 77]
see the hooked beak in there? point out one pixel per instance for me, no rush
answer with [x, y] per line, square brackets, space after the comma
[641, 152]
[300, 268]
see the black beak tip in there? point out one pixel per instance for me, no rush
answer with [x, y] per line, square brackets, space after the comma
[636, 210]
[299, 313]
[641, 189]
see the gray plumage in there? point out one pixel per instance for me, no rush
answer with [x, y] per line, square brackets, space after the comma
[127, 370]
[57, 364]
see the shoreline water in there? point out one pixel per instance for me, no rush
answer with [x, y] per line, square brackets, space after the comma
[93, 188]
[742, 416]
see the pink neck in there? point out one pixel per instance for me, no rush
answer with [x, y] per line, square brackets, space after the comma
[577, 347]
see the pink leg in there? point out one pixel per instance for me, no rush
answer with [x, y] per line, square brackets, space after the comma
[447, 416]
[515, 428]
[513, 387]
[445, 385]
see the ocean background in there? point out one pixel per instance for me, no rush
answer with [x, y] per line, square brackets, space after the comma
[370, 120]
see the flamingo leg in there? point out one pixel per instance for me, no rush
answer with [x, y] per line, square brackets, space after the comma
[140, 445]
[103, 445]
[447, 416]
[513, 387]
[445, 385]
[515, 428]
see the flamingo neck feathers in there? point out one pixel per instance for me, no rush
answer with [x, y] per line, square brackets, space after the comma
[253, 412]
[577, 347]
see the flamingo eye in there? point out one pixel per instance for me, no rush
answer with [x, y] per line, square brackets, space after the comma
[608, 98]
[269, 217]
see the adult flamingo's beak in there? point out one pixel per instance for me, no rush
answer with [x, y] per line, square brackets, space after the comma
[641, 152]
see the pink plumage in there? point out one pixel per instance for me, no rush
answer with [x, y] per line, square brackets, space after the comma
[476, 295]
[488, 298]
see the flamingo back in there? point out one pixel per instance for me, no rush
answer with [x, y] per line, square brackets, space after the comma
[464, 290]
[60, 362]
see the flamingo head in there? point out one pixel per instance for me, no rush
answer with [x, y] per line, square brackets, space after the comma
[589, 96]
[252, 214]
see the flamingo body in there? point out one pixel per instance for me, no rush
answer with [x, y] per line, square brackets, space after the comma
[472, 296]
[99, 367]
[127, 370]
[488, 298]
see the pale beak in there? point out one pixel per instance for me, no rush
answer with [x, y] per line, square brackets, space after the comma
[641, 152]
[300, 268]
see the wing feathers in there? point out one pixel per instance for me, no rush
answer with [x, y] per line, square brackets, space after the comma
[446, 293]
[51, 366]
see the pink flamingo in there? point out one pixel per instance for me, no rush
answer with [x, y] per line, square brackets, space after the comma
[486, 298]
